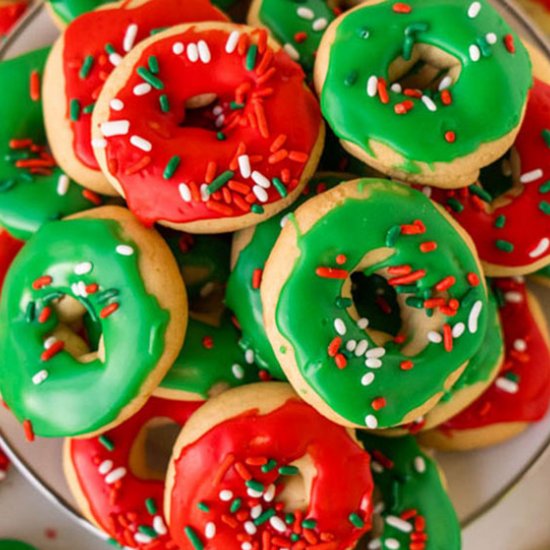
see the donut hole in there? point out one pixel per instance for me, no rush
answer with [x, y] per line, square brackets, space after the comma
[152, 449]
[296, 493]
[427, 69]
[502, 175]
[206, 111]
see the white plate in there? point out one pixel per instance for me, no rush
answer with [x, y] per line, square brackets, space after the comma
[477, 480]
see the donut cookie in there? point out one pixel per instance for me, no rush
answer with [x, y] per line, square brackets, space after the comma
[103, 263]
[83, 58]
[521, 393]
[112, 481]
[414, 510]
[349, 374]
[216, 153]
[257, 467]
[384, 70]
[64, 11]
[33, 189]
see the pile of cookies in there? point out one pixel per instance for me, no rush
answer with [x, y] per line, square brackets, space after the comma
[300, 242]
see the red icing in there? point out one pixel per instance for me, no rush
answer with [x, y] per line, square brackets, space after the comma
[343, 484]
[9, 247]
[278, 148]
[532, 366]
[9, 15]
[91, 32]
[526, 224]
[119, 508]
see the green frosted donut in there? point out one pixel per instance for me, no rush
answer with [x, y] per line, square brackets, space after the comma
[33, 189]
[414, 504]
[328, 353]
[94, 262]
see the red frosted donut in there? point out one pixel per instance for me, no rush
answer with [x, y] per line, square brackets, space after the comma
[111, 481]
[226, 135]
[9, 247]
[256, 467]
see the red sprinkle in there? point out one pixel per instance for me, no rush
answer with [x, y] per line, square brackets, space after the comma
[41, 282]
[92, 288]
[208, 342]
[407, 279]
[408, 514]
[45, 314]
[383, 91]
[415, 228]
[411, 92]
[334, 346]
[450, 136]
[378, 403]
[108, 310]
[53, 350]
[419, 523]
[300, 37]
[406, 365]
[257, 278]
[341, 361]
[341, 259]
[401, 7]
[331, 273]
[432, 303]
[404, 107]
[92, 197]
[509, 43]
[473, 279]
[34, 88]
[447, 337]
[446, 97]
[428, 246]
[29, 432]
[445, 283]
[399, 269]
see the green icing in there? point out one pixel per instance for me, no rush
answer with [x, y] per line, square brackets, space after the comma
[77, 398]
[369, 39]
[408, 480]
[14, 545]
[201, 365]
[243, 299]
[67, 10]
[29, 200]
[307, 308]
[544, 272]
[289, 19]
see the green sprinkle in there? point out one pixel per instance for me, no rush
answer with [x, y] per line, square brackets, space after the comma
[146, 530]
[30, 312]
[500, 222]
[75, 110]
[343, 303]
[408, 45]
[110, 49]
[153, 63]
[150, 78]
[455, 205]
[289, 518]
[6, 185]
[257, 209]
[164, 103]
[545, 187]
[251, 55]
[294, 537]
[505, 246]
[413, 301]
[234, 106]
[309, 523]
[220, 181]
[106, 295]
[512, 376]
[235, 505]
[356, 521]
[193, 538]
[171, 167]
[289, 471]
[203, 507]
[406, 289]
[280, 186]
[363, 32]
[255, 485]
[499, 295]
[282, 349]
[392, 235]
[51, 296]
[17, 155]
[88, 109]
[271, 464]
[86, 67]
[151, 506]
[416, 27]
[544, 207]
[480, 192]
[262, 518]
[220, 136]
[113, 542]
[546, 137]
[484, 46]
[468, 298]
[106, 442]
[157, 30]
[351, 79]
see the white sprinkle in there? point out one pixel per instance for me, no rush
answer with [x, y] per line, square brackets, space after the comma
[250, 528]
[396, 87]
[244, 166]
[445, 83]
[291, 51]
[371, 421]
[513, 297]
[142, 538]
[361, 348]
[363, 323]
[159, 526]
[428, 102]
[115, 59]
[226, 495]
[238, 371]
[474, 316]
[458, 330]
[351, 345]
[260, 179]
[435, 337]
[260, 192]
[142, 89]
[63, 183]
[475, 53]
[99, 143]
[305, 13]
[205, 194]
[256, 511]
[427, 190]
[115, 475]
[367, 379]
[541, 248]
[278, 524]
[375, 544]
[124, 250]
[217, 110]
[270, 493]
[141, 143]
[232, 42]
[519, 278]
[253, 493]
[474, 9]
[83, 268]
[373, 363]
[399, 524]
[129, 37]
[204, 52]
[178, 48]
[376, 353]
[210, 530]
[320, 24]
[39, 377]
[533, 175]
[249, 356]
[246, 546]
[192, 52]
[284, 219]
[105, 467]
[116, 104]
[420, 464]
[392, 544]
[340, 326]
[372, 86]
[376, 467]
[115, 128]
[520, 345]
[491, 38]
[79, 289]
[379, 507]
[506, 385]
[219, 121]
